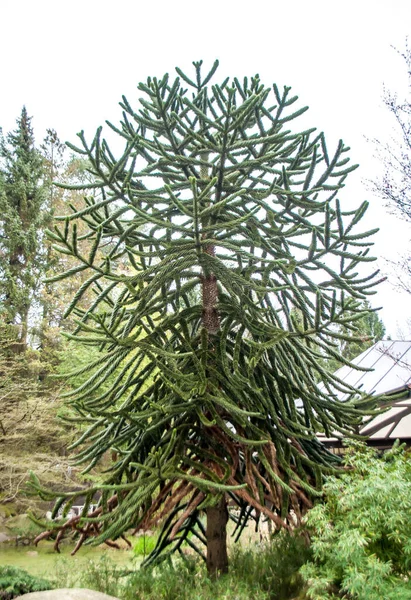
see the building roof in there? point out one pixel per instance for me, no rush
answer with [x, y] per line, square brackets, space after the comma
[390, 362]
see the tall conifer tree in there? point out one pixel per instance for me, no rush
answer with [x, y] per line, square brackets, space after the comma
[217, 222]
[23, 216]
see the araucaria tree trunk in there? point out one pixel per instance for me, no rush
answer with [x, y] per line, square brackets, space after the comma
[216, 535]
[217, 516]
[215, 308]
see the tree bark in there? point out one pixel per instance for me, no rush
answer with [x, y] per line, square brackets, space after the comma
[216, 535]
[24, 314]
[217, 516]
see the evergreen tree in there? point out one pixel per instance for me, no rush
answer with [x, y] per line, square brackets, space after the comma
[23, 216]
[357, 336]
[353, 336]
[212, 193]
[368, 330]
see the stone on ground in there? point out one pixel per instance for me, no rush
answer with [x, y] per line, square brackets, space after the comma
[66, 594]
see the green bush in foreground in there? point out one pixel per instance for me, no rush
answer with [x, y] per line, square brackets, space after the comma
[267, 572]
[361, 538]
[15, 582]
[274, 568]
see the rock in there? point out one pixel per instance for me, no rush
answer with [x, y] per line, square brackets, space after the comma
[4, 537]
[67, 594]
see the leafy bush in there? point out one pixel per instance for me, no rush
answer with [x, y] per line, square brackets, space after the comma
[20, 526]
[185, 580]
[102, 576]
[274, 567]
[63, 575]
[269, 571]
[15, 582]
[361, 535]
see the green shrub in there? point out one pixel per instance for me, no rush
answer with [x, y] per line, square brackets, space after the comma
[103, 576]
[22, 526]
[15, 582]
[270, 571]
[64, 576]
[186, 580]
[361, 535]
[274, 566]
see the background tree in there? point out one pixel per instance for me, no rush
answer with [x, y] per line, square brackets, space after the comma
[24, 213]
[394, 187]
[212, 193]
[53, 153]
[55, 298]
[355, 336]
[358, 336]
[368, 330]
[31, 436]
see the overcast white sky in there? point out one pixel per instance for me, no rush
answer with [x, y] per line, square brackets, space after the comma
[70, 62]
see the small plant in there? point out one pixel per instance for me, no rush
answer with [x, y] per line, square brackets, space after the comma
[15, 582]
[64, 576]
[144, 545]
[102, 576]
[361, 535]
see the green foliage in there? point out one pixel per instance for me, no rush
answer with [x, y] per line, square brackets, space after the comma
[361, 533]
[102, 576]
[369, 329]
[274, 566]
[20, 526]
[214, 224]
[144, 545]
[187, 579]
[267, 572]
[31, 436]
[16, 582]
[75, 358]
[64, 575]
[358, 335]
[360, 332]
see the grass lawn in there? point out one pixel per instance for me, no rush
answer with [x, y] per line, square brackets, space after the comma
[49, 564]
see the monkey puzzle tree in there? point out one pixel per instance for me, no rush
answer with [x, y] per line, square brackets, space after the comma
[214, 395]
